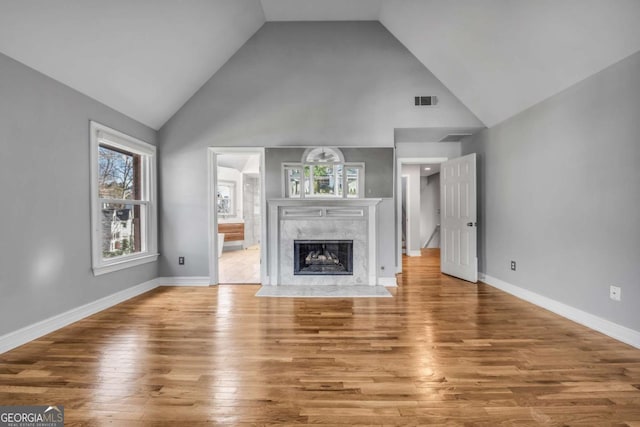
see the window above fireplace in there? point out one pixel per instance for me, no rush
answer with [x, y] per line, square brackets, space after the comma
[323, 173]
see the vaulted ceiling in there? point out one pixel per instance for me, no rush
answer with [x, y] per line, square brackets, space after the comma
[146, 58]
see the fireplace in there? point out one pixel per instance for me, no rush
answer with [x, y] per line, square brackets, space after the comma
[310, 221]
[323, 257]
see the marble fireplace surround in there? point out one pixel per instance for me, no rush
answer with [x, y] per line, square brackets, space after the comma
[322, 219]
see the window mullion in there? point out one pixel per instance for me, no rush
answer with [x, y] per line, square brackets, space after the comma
[339, 175]
[123, 201]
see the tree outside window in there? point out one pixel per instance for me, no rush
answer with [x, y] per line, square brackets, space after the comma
[323, 173]
[118, 182]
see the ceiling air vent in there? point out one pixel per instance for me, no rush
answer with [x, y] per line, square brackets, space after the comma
[454, 137]
[425, 100]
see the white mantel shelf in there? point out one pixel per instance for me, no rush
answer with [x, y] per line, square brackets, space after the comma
[350, 218]
[319, 201]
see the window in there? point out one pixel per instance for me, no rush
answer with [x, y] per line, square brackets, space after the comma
[226, 196]
[323, 173]
[123, 214]
[293, 181]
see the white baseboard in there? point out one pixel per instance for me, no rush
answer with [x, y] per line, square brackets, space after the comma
[614, 330]
[183, 281]
[29, 333]
[414, 253]
[389, 282]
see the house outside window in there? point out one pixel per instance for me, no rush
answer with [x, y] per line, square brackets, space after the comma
[323, 173]
[124, 224]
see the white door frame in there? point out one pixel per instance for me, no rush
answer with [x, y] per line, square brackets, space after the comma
[212, 183]
[399, 162]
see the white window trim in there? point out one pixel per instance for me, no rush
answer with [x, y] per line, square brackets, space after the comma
[361, 173]
[359, 165]
[101, 133]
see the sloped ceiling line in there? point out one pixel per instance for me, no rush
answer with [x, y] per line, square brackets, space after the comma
[147, 58]
[500, 57]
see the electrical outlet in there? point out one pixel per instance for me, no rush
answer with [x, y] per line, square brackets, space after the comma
[513, 265]
[615, 293]
[181, 260]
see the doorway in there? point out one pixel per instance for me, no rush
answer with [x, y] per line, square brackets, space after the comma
[420, 218]
[429, 206]
[418, 206]
[236, 204]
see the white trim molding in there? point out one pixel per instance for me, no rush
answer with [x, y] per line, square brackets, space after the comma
[389, 282]
[212, 183]
[29, 333]
[125, 263]
[103, 136]
[611, 329]
[399, 161]
[184, 281]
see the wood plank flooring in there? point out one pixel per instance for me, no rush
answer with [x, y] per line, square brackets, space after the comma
[441, 352]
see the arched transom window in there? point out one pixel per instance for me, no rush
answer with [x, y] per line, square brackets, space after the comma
[323, 173]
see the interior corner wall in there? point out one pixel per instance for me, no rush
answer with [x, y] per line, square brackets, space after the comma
[558, 193]
[45, 255]
[345, 84]
[430, 209]
[413, 243]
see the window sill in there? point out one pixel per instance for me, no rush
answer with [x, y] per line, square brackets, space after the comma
[124, 263]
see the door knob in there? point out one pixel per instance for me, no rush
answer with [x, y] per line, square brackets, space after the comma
[472, 224]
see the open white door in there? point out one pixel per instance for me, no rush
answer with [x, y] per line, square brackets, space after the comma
[458, 255]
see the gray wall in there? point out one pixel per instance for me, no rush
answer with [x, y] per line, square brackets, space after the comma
[342, 84]
[429, 209]
[412, 172]
[315, 83]
[559, 193]
[378, 184]
[378, 168]
[409, 150]
[45, 255]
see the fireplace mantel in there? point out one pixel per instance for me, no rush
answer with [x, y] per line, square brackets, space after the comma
[291, 219]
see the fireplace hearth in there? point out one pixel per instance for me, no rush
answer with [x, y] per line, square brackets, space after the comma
[323, 257]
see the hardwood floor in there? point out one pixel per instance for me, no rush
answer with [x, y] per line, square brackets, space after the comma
[441, 352]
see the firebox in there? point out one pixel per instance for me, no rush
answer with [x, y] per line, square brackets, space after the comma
[323, 257]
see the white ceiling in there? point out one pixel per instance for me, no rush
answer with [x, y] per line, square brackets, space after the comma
[322, 10]
[146, 58]
[242, 162]
[429, 169]
[500, 57]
